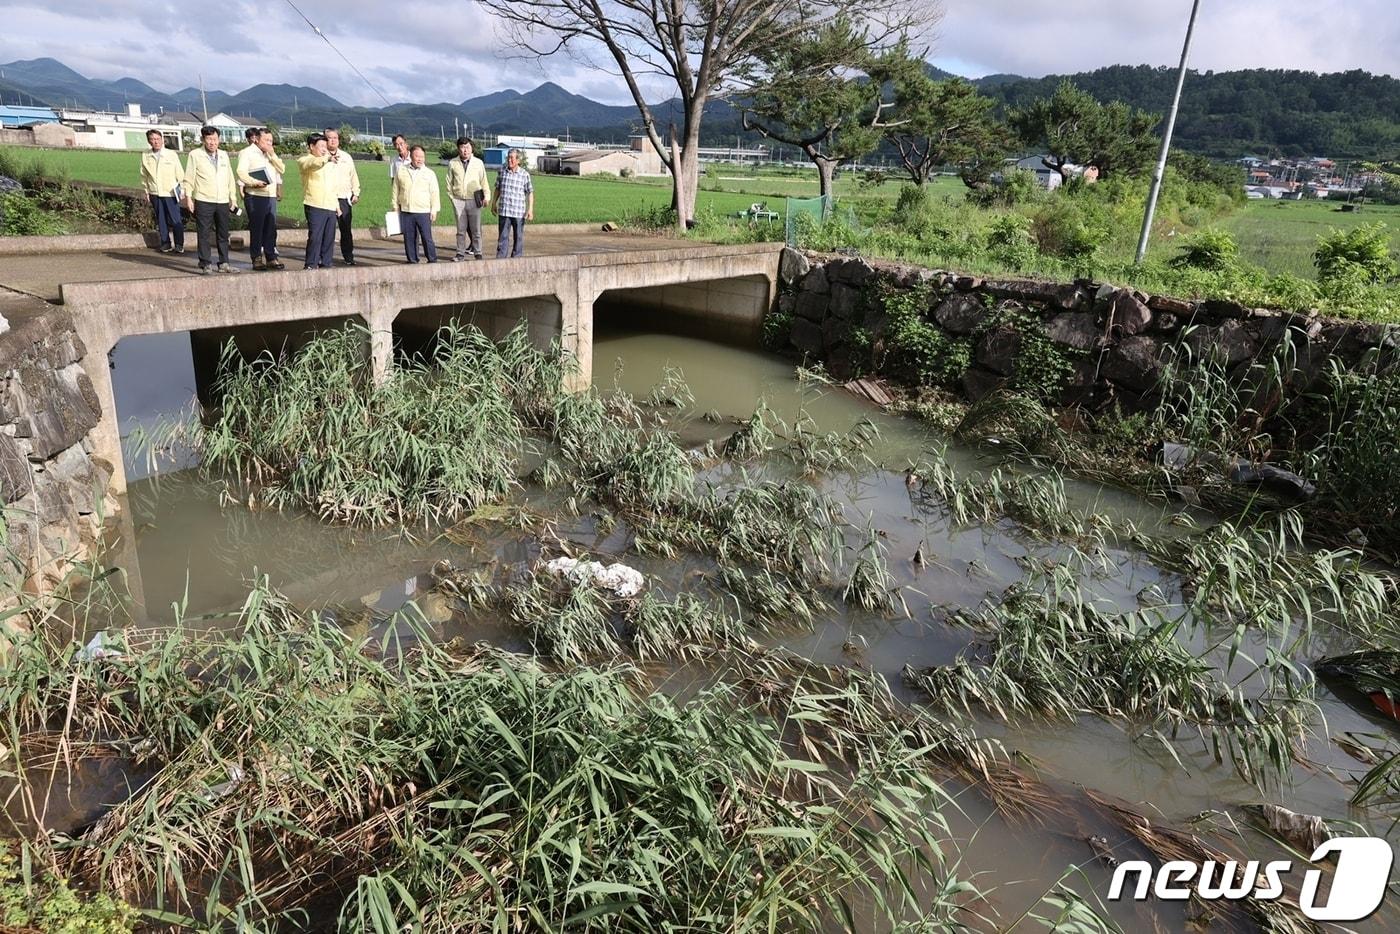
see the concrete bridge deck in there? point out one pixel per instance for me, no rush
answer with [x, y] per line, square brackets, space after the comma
[115, 293]
[43, 274]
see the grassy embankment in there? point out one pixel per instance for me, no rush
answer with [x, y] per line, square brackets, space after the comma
[1208, 242]
[1280, 235]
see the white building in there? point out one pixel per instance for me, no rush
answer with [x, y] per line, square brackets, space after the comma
[101, 130]
[541, 143]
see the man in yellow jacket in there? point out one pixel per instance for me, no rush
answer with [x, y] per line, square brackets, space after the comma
[211, 195]
[260, 171]
[347, 192]
[160, 177]
[318, 187]
[416, 197]
[468, 189]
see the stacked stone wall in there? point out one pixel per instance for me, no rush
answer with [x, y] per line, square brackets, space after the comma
[1119, 339]
[53, 492]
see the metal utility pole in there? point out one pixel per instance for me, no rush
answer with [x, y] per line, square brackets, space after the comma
[1166, 140]
[204, 104]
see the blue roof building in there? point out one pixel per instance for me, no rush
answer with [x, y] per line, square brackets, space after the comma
[15, 116]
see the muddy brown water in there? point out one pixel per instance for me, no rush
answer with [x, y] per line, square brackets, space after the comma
[190, 550]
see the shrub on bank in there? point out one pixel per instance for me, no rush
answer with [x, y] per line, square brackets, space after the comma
[22, 216]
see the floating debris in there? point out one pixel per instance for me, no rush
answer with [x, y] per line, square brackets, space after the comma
[1306, 832]
[617, 578]
[873, 390]
[99, 648]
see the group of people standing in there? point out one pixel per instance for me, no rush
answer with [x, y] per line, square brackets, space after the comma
[210, 184]
[415, 194]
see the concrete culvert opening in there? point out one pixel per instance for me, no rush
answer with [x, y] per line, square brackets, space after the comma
[726, 310]
[416, 330]
[278, 338]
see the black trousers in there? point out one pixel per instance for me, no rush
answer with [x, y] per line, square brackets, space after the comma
[347, 239]
[320, 237]
[415, 226]
[169, 224]
[211, 221]
[262, 226]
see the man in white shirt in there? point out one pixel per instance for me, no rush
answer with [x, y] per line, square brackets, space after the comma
[401, 156]
[260, 172]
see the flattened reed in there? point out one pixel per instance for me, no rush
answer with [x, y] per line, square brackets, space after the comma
[397, 782]
[1051, 653]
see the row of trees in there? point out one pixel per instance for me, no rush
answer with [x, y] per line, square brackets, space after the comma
[837, 113]
[834, 79]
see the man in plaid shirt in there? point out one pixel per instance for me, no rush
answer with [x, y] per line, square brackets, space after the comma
[513, 203]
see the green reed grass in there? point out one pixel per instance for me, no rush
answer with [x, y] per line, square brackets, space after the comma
[1053, 653]
[396, 783]
[437, 440]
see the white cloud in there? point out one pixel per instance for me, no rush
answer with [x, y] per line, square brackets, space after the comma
[1037, 38]
[447, 50]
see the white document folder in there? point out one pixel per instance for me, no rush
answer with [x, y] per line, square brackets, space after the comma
[391, 224]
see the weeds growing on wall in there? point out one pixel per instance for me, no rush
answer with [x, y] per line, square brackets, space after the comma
[915, 349]
[1042, 368]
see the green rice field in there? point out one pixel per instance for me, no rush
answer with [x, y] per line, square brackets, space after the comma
[558, 199]
[1282, 235]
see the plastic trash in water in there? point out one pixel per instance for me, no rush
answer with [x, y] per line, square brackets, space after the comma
[621, 580]
[99, 647]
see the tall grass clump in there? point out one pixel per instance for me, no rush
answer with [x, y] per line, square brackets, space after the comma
[607, 451]
[1266, 576]
[435, 441]
[1051, 653]
[787, 527]
[575, 622]
[1354, 451]
[298, 775]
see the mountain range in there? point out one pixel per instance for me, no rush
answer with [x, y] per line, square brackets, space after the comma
[1350, 114]
[548, 108]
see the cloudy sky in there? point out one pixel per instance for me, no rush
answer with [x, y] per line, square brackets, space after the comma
[448, 50]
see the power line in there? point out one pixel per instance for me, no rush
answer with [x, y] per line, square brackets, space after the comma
[317, 29]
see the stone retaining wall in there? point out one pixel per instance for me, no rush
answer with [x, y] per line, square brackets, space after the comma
[52, 491]
[1118, 338]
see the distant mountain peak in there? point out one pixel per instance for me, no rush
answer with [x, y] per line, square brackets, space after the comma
[51, 67]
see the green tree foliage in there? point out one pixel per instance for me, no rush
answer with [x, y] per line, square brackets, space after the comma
[946, 123]
[822, 92]
[1226, 178]
[1075, 129]
[1387, 189]
[1350, 114]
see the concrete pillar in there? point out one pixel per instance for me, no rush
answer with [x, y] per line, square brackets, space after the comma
[121, 552]
[576, 336]
[105, 437]
[381, 343]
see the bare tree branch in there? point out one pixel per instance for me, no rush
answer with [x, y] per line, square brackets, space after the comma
[708, 48]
